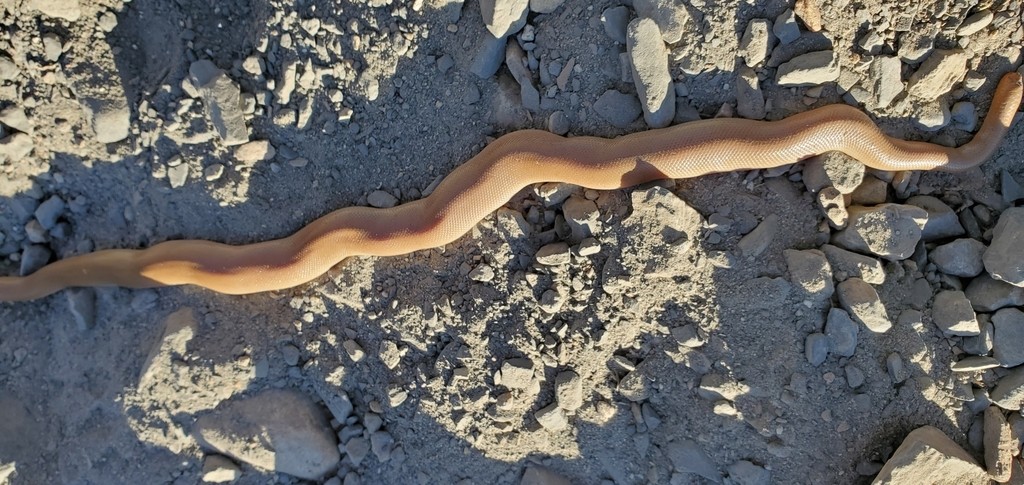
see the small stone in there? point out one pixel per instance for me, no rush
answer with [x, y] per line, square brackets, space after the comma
[357, 448]
[810, 13]
[816, 348]
[744, 472]
[14, 117]
[649, 63]
[537, 475]
[758, 240]
[982, 343]
[1004, 259]
[303, 444]
[615, 20]
[1008, 328]
[786, 28]
[974, 363]
[569, 390]
[942, 221]
[749, 98]
[688, 457]
[489, 56]
[714, 387]
[107, 21]
[50, 211]
[854, 376]
[558, 123]
[221, 101]
[389, 354]
[757, 42]
[69, 10]
[1011, 189]
[916, 44]
[988, 294]
[871, 42]
[582, 216]
[381, 199]
[482, 273]
[552, 418]
[382, 443]
[953, 314]
[833, 205]
[971, 25]
[15, 148]
[555, 254]
[34, 257]
[809, 270]
[937, 75]
[255, 151]
[861, 302]
[504, 17]
[809, 69]
[617, 108]
[290, 354]
[961, 257]
[894, 364]
[8, 69]
[841, 331]
[891, 231]
[833, 169]
[884, 80]
[354, 350]
[219, 469]
[929, 456]
[964, 116]
[177, 175]
[871, 191]
[517, 373]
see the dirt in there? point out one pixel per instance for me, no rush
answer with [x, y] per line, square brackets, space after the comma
[86, 405]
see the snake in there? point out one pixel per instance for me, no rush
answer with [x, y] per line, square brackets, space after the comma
[496, 174]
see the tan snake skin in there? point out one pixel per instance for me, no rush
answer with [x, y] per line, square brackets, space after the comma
[490, 179]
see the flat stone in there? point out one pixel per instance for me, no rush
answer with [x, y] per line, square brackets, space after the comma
[853, 264]
[809, 69]
[222, 102]
[929, 456]
[649, 62]
[1004, 258]
[617, 108]
[786, 28]
[916, 44]
[891, 231]
[884, 80]
[816, 348]
[381, 199]
[517, 373]
[688, 457]
[670, 17]
[749, 97]
[1008, 328]
[714, 387]
[569, 390]
[758, 240]
[942, 221]
[757, 42]
[841, 331]
[964, 116]
[50, 211]
[15, 147]
[277, 430]
[809, 270]
[1008, 392]
[538, 475]
[982, 343]
[810, 13]
[14, 117]
[937, 75]
[33, 258]
[554, 254]
[871, 191]
[988, 294]
[615, 20]
[953, 314]
[255, 151]
[932, 116]
[971, 25]
[744, 472]
[504, 17]
[861, 302]
[961, 257]
[974, 363]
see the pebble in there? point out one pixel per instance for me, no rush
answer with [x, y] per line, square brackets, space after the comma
[929, 456]
[932, 116]
[558, 123]
[756, 43]
[82, 303]
[33, 257]
[303, 444]
[785, 28]
[861, 302]
[961, 257]
[841, 331]
[482, 273]
[974, 24]
[937, 74]
[816, 348]
[943, 222]
[758, 240]
[290, 354]
[854, 376]
[964, 116]
[884, 80]
[649, 62]
[982, 343]
[714, 387]
[670, 17]
[220, 469]
[615, 20]
[1011, 189]
[255, 151]
[744, 472]
[833, 205]
[381, 199]
[1008, 334]
[688, 457]
[871, 42]
[891, 231]
[809, 69]
[833, 169]
[382, 444]
[516, 61]
[871, 191]
[177, 175]
[356, 449]
[15, 147]
[517, 373]
[69, 10]
[50, 211]
[617, 108]
[569, 390]
[809, 270]
[504, 17]
[999, 444]
[988, 294]
[14, 117]
[952, 313]
[917, 44]
[389, 354]
[894, 365]
[554, 254]
[552, 418]
[1004, 259]
[213, 172]
[749, 97]
[221, 102]
[354, 350]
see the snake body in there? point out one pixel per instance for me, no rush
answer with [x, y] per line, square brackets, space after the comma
[497, 173]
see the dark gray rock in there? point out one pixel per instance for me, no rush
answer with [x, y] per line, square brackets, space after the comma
[942, 221]
[953, 314]
[961, 257]
[841, 331]
[1008, 338]
[888, 230]
[816, 348]
[1004, 258]
[688, 457]
[222, 101]
[489, 56]
[988, 294]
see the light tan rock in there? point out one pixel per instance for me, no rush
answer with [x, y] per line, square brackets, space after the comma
[929, 456]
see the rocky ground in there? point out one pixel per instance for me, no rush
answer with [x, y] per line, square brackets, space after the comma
[805, 324]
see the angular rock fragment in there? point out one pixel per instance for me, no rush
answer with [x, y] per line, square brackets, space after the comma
[929, 456]
[670, 16]
[952, 313]
[222, 102]
[937, 75]
[861, 301]
[888, 230]
[1004, 258]
[809, 69]
[649, 62]
[504, 17]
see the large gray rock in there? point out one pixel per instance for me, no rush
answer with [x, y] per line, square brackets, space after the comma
[988, 294]
[887, 230]
[1008, 325]
[504, 17]
[953, 314]
[861, 301]
[961, 257]
[222, 101]
[937, 75]
[757, 42]
[1004, 258]
[942, 221]
[649, 61]
[277, 430]
[853, 264]
[929, 456]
